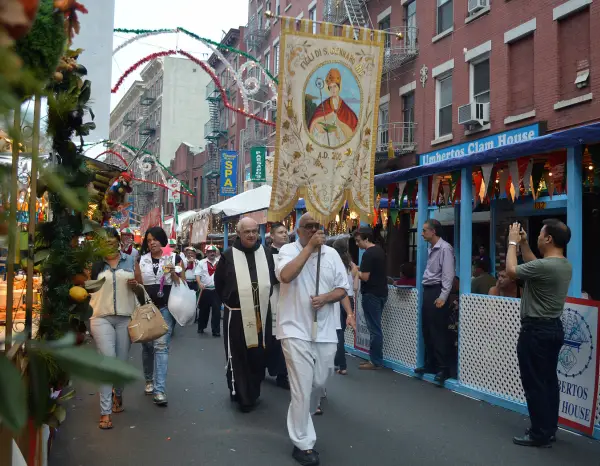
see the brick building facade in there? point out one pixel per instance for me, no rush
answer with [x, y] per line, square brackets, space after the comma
[464, 70]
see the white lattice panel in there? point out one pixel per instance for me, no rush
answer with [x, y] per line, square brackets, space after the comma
[400, 326]
[488, 333]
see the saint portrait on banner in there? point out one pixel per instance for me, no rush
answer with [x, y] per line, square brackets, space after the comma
[332, 121]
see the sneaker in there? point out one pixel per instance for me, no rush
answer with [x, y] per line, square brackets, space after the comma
[149, 389]
[368, 366]
[160, 399]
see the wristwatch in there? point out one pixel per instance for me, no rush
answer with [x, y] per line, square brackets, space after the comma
[512, 243]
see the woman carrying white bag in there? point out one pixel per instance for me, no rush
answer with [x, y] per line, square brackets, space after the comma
[160, 275]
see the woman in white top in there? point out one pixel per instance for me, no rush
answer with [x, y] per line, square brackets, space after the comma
[346, 309]
[113, 305]
[158, 273]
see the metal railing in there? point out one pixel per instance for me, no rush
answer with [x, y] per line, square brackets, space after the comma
[334, 11]
[256, 134]
[256, 33]
[400, 51]
[213, 129]
[400, 134]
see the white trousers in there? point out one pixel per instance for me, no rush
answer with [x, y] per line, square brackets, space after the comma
[309, 364]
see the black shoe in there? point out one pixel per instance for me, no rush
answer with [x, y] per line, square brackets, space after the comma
[200, 330]
[283, 382]
[249, 408]
[527, 441]
[306, 457]
[216, 335]
[440, 377]
[422, 370]
[552, 437]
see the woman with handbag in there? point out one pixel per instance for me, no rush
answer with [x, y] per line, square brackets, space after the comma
[158, 273]
[112, 307]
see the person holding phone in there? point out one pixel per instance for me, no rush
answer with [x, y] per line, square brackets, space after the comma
[112, 307]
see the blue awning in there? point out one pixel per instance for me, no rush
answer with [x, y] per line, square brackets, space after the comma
[587, 134]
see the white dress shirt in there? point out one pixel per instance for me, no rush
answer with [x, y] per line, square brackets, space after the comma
[295, 313]
[207, 280]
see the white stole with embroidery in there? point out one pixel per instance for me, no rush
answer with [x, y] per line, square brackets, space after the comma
[274, 300]
[244, 283]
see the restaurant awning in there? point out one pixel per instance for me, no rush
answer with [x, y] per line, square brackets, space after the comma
[587, 134]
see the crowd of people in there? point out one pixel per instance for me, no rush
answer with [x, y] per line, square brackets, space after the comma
[286, 307]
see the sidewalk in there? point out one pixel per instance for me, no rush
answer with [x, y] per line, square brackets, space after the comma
[370, 418]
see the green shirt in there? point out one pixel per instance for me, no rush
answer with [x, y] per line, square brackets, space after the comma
[482, 284]
[546, 285]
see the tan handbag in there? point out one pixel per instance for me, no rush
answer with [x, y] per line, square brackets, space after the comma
[147, 323]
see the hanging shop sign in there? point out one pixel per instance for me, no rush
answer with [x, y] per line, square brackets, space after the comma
[228, 184]
[258, 157]
[526, 133]
[174, 188]
[578, 365]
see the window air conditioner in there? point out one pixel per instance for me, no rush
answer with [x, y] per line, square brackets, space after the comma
[474, 113]
[476, 5]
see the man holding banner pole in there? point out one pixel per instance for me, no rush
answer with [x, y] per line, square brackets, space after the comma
[309, 346]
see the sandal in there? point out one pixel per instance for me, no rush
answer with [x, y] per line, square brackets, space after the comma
[105, 423]
[342, 371]
[117, 406]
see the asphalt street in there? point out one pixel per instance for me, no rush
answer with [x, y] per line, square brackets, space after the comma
[381, 418]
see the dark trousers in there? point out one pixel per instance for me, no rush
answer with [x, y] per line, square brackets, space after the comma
[539, 345]
[210, 301]
[340, 355]
[434, 325]
[373, 310]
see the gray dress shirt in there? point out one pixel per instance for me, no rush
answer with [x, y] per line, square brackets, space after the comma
[440, 268]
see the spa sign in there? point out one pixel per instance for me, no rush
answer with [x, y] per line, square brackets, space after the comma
[228, 173]
[526, 133]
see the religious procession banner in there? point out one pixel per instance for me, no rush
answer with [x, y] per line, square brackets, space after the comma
[326, 119]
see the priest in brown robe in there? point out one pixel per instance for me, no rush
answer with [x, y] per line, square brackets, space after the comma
[244, 281]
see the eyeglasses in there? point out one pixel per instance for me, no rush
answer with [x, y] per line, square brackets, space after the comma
[250, 232]
[311, 226]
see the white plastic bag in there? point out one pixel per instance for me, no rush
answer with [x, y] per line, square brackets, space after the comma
[182, 304]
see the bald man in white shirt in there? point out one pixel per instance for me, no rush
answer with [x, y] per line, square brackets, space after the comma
[309, 355]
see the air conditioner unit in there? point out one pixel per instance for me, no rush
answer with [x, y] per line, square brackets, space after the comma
[476, 5]
[474, 113]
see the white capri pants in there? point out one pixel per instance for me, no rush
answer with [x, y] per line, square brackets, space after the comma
[309, 366]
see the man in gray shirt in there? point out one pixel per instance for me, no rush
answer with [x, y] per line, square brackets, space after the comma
[437, 284]
[541, 338]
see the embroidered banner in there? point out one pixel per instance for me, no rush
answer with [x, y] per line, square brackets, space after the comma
[326, 119]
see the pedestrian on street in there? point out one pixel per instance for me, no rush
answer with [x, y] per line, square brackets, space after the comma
[346, 306]
[541, 337]
[191, 267]
[112, 307]
[210, 302]
[158, 273]
[274, 354]
[128, 243]
[309, 358]
[374, 292]
[243, 280]
[437, 285]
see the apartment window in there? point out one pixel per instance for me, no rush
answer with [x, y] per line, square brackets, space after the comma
[408, 117]
[444, 105]
[445, 12]
[410, 22]
[384, 120]
[268, 61]
[274, 116]
[260, 19]
[236, 63]
[521, 76]
[480, 81]
[276, 59]
[574, 54]
[277, 7]
[384, 25]
[195, 193]
[312, 15]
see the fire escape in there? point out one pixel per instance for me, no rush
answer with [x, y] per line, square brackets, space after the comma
[146, 194]
[352, 11]
[257, 31]
[214, 130]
